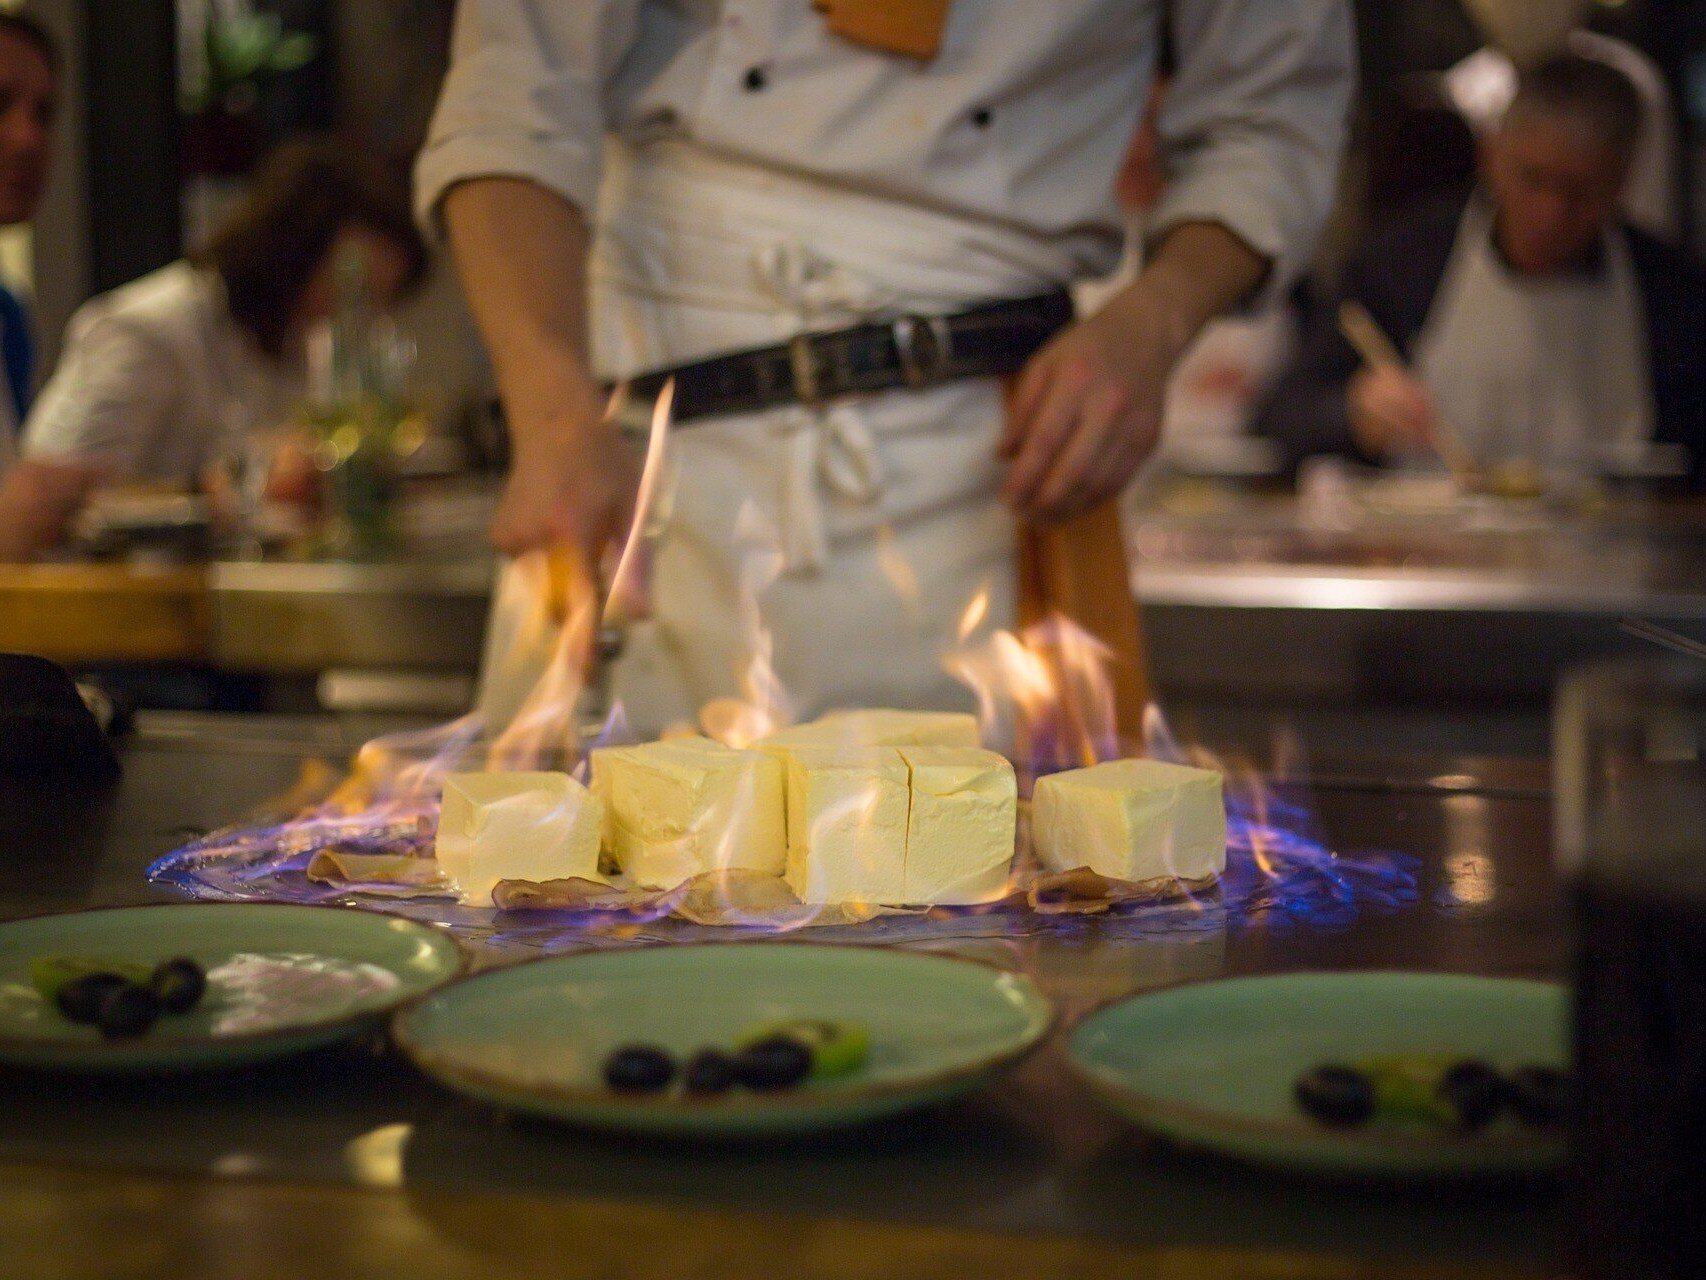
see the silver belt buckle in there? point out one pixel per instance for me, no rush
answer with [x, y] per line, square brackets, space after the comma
[926, 349]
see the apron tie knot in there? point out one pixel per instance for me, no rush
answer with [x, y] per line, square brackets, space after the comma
[831, 449]
[812, 285]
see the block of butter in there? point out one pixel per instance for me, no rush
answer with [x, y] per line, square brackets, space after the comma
[959, 834]
[677, 808]
[516, 826]
[1132, 820]
[847, 816]
[880, 727]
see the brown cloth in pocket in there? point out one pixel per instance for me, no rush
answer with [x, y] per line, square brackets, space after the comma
[1079, 569]
[910, 27]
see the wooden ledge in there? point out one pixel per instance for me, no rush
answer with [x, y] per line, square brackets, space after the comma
[80, 1224]
[104, 613]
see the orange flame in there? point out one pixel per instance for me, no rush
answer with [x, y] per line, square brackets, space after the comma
[735, 723]
[546, 726]
[976, 611]
[397, 778]
[898, 570]
[554, 596]
[1247, 791]
[624, 600]
[562, 592]
[763, 705]
[1044, 694]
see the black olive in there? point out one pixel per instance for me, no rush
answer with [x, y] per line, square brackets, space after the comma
[1335, 1094]
[126, 1011]
[1474, 1092]
[709, 1071]
[80, 999]
[180, 984]
[776, 1062]
[1538, 1096]
[638, 1068]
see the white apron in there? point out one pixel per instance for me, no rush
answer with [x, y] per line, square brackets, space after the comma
[697, 255]
[1554, 372]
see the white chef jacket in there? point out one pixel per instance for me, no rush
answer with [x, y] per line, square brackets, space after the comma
[156, 381]
[1021, 120]
[763, 177]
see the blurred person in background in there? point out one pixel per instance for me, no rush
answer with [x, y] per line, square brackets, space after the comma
[29, 101]
[162, 375]
[1543, 328]
[1482, 85]
[32, 497]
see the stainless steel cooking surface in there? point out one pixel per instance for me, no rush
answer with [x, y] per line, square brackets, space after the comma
[1033, 1154]
[284, 618]
[1242, 599]
[1401, 605]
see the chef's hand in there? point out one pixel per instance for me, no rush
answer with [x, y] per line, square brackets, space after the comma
[1390, 411]
[1087, 409]
[571, 481]
[521, 251]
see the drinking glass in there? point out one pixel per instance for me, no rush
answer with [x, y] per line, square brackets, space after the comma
[1630, 795]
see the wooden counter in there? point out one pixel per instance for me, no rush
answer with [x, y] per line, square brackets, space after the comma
[76, 613]
[72, 1224]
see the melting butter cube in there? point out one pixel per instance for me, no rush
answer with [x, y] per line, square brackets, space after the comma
[881, 727]
[1132, 820]
[677, 808]
[516, 826]
[959, 834]
[847, 812]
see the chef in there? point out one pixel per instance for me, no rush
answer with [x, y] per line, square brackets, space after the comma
[1543, 329]
[632, 187]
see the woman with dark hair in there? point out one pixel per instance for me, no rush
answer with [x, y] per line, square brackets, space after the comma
[29, 101]
[160, 376]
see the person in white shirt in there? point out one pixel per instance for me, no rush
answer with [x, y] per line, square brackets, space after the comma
[630, 186]
[162, 375]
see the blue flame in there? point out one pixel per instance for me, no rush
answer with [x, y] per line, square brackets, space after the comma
[1280, 874]
[1303, 881]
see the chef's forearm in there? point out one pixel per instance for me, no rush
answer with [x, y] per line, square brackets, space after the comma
[521, 252]
[1198, 271]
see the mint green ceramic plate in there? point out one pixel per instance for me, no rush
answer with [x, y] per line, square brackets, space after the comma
[534, 1037]
[281, 979]
[1211, 1065]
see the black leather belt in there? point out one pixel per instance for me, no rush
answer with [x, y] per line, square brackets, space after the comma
[913, 351]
